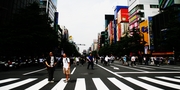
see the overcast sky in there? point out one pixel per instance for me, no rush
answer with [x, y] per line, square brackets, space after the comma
[85, 18]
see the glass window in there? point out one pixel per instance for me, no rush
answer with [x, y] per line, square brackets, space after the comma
[140, 6]
[154, 6]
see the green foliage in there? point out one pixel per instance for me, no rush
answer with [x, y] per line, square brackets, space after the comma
[28, 34]
[69, 48]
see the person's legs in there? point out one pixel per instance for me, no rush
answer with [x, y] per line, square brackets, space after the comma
[92, 64]
[49, 74]
[88, 65]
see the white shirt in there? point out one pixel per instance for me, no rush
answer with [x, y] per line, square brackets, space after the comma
[107, 58]
[65, 62]
[52, 61]
[133, 58]
[77, 59]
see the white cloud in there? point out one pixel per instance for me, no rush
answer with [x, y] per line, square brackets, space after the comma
[85, 18]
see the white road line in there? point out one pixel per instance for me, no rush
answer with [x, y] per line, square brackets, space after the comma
[142, 84]
[177, 76]
[8, 80]
[166, 68]
[143, 72]
[146, 68]
[17, 84]
[131, 68]
[119, 84]
[115, 67]
[110, 71]
[73, 70]
[80, 84]
[38, 85]
[60, 85]
[34, 71]
[169, 79]
[167, 84]
[99, 84]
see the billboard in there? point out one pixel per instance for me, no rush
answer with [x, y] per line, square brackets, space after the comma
[144, 30]
[123, 15]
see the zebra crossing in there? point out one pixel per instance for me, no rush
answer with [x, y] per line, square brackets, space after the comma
[80, 84]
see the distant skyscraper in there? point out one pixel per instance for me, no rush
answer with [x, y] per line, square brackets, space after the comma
[49, 7]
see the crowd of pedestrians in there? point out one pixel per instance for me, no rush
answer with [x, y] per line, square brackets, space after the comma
[51, 61]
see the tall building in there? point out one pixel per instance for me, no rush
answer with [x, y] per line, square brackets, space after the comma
[140, 10]
[161, 21]
[9, 7]
[122, 22]
[115, 21]
[108, 29]
[49, 7]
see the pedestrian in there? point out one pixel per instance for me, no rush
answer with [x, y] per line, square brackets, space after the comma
[50, 64]
[66, 67]
[133, 58]
[90, 61]
[107, 58]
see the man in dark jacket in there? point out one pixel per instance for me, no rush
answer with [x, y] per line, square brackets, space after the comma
[50, 64]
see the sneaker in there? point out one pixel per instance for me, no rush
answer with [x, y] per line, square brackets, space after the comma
[51, 81]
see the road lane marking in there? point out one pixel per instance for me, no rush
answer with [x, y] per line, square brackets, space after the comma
[143, 72]
[39, 85]
[17, 84]
[73, 70]
[146, 68]
[115, 67]
[60, 85]
[110, 71]
[131, 68]
[8, 80]
[34, 71]
[80, 84]
[171, 85]
[168, 78]
[177, 76]
[142, 84]
[99, 84]
[119, 84]
[166, 68]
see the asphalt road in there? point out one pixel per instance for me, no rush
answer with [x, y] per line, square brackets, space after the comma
[113, 77]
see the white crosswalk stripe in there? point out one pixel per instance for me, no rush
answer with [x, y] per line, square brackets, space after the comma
[80, 83]
[169, 79]
[99, 84]
[141, 84]
[38, 85]
[119, 84]
[171, 85]
[8, 80]
[177, 76]
[14, 85]
[60, 85]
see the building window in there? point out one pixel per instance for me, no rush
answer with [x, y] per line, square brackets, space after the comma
[140, 6]
[154, 6]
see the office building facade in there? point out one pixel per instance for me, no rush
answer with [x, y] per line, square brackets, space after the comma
[10, 7]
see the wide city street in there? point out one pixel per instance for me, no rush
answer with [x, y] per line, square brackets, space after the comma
[113, 77]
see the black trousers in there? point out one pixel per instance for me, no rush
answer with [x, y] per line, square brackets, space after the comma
[50, 73]
[90, 63]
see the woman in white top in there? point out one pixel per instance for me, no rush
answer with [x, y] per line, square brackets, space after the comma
[66, 67]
